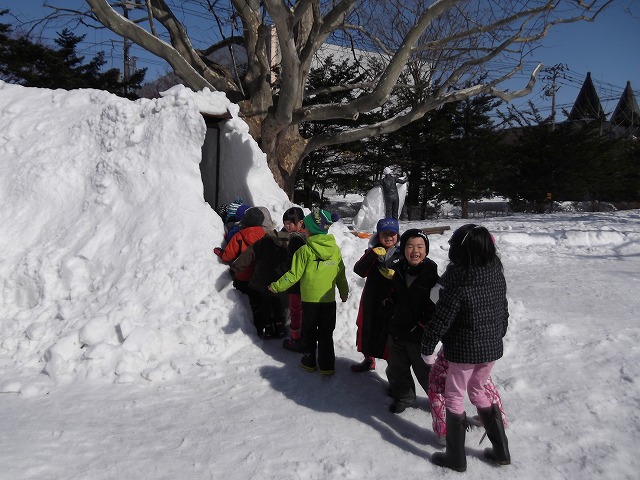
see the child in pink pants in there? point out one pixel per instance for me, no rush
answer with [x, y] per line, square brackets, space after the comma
[437, 379]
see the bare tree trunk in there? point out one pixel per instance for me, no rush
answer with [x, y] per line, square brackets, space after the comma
[423, 208]
[284, 156]
[464, 206]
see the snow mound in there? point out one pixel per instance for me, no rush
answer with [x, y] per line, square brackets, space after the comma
[107, 269]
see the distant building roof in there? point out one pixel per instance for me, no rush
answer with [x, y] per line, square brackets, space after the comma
[627, 113]
[587, 105]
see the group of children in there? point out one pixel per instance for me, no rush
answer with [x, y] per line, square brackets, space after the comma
[405, 302]
[397, 320]
[303, 260]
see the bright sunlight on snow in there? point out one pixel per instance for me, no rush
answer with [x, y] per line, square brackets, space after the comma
[125, 352]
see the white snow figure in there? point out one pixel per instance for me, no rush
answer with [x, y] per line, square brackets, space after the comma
[375, 203]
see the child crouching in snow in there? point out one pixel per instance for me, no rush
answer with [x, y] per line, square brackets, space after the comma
[319, 268]
[471, 318]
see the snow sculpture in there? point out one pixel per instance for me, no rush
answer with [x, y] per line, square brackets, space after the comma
[373, 207]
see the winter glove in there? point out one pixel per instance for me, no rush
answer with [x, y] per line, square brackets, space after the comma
[218, 251]
[429, 359]
[387, 273]
[380, 251]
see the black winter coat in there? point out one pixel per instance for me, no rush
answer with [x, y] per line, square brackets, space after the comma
[376, 305]
[471, 316]
[413, 306]
[267, 256]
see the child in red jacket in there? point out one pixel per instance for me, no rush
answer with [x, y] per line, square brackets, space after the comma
[251, 230]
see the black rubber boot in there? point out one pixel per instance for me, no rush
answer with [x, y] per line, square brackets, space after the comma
[268, 331]
[369, 363]
[279, 330]
[454, 457]
[308, 361]
[492, 420]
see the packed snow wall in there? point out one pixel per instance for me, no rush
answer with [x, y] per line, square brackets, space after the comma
[106, 266]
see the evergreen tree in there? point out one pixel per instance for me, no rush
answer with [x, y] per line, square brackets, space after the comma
[346, 167]
[570, 162]
[469, 158]
[31, 64]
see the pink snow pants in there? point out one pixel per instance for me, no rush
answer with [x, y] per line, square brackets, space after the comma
[437, 381]
[295, 315]
[466, 378]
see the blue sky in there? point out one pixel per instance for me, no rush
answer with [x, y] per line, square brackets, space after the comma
[608, 48]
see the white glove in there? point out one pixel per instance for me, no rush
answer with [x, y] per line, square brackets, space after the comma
[429, 359]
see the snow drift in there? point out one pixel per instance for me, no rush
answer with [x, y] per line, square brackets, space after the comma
[107, 270]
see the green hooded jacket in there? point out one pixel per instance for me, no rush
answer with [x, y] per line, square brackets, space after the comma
[318, 266]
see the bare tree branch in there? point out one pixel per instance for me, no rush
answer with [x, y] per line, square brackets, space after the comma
[120, 25]
[413, 44]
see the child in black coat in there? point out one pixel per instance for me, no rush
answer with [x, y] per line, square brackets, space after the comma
[375, 302]
[412, 281]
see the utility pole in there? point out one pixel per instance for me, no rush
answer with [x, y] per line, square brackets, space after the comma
[126, 6]
[552, 74]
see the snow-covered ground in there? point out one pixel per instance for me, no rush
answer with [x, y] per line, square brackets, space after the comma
[124, 353]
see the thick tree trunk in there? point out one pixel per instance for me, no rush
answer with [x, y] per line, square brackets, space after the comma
[464, 204]
[284, 147]
[284, 157]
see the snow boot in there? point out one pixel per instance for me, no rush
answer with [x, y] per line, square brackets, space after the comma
[492, 420]
[293, 345]
[454, 456]
[279, 329]
[397, 407]
[308, 362]
[369, 363]
[268, 331]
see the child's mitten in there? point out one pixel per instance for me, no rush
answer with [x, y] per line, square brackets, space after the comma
[387, 272]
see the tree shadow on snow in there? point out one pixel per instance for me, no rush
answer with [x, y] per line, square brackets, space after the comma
[361, 396]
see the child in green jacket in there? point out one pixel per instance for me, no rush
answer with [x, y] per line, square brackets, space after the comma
[319, 268]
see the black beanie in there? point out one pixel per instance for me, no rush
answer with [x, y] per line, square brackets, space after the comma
[411, 233]
[253, 217]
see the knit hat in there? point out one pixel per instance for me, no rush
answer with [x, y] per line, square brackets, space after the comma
[411, 233]
[387, 170]
[241, 210]
[233, 207]
[317, 222]
[267, 222]
[253, 217]
[388, 225]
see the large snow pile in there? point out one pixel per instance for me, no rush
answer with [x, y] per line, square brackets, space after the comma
[106, 265]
